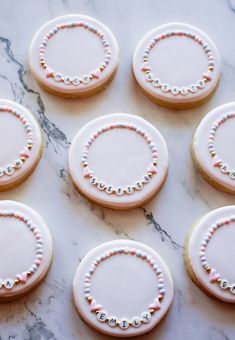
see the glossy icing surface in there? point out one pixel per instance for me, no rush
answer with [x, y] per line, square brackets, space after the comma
[13, 139]
[73, 52]
[177, 61]
[220, 252]
[223, 142]
[18, 246]
[119, 157]
[121, 289]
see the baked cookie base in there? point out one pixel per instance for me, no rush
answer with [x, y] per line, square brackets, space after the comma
[180, 105]
[30, 289]
[84, 311]
[209, 179]
[13, 185]
[83, 94]
[190, 269]
[124, 207]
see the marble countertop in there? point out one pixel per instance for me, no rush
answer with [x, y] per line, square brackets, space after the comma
[78, 225]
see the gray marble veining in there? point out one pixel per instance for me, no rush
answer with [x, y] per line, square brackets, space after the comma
[78, 225]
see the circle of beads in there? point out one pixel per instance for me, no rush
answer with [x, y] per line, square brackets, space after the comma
[74, 80]
[113, 321]
[23, 277]
[9, 169]
[214, 276]
[175, 90]
[217, 161]
[108, 188]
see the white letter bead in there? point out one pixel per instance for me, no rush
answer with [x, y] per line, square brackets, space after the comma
[85, 79]
[138, 185]
[93, 180]
[201, 84]
[224, 168]
[157, 83]
[101, 186]
[119, 191]
[149, 77]
[146, 179]
[136, 322]
[232, 288]
[193, 88]
[123, 324]
[1, 283]
[76, 81]
[129, 190]
[9, 283]
[58, 77]
[67, 80]
[174, 90]
[101, 316]
[146, 317]
[109, 189]
[184, 90]
[112, 321]
[1, 172]
[224, 284]
[231, 174]
[165, 87]
[9, 170]
[17, 163]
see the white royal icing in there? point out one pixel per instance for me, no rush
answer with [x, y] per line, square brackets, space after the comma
[122, 307]
[21, 143]
[26, 249]
[213, 146]
[73, 54]
[121, 169]
[214, 236]
[177, 63]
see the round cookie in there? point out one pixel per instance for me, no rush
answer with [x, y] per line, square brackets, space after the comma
[74, 56]
[21, 141]
[26, 250]
[122, 288]
[177, 65]
[212, 147]
[119, 161]
[209, 253]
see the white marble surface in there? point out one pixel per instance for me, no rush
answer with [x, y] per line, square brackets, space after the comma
[78, 225]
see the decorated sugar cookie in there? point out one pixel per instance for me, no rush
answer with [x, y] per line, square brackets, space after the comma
[74, 55]
[119, 161]
[109, 288]
[209, 253]
[212, 147]
[21, 144]
[177, 65]
[26, 250]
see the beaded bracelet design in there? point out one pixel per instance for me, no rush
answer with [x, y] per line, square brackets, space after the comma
[214, 276]
[113, 321]
[9, 169]
[218, 162]
[74, 80]
[23, 277]
[175, 90]
[109, 189]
